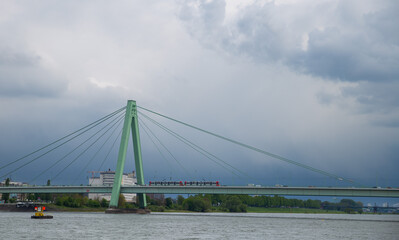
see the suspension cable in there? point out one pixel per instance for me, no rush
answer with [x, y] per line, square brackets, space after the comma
[255, 149]
[86, 149]
[170, 153]
[196, 147]
[73, 150]
[99, 120]
[99, 149]
[109, 151]
[34, 159]
[143, 126]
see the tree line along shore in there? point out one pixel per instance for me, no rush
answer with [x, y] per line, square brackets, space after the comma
[201, 203]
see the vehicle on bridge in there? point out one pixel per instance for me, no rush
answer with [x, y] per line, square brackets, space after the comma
[185, 183]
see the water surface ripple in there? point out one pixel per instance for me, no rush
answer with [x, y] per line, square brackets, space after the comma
[199, 226]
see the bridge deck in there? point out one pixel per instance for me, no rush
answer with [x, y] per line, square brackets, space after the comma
[294, 191]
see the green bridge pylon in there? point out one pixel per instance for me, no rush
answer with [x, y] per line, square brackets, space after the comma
[131, 122]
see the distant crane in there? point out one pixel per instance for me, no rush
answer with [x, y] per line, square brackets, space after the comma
[92, 176]
[93, 173]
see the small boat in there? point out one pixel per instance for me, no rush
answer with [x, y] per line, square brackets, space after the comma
[39, 213]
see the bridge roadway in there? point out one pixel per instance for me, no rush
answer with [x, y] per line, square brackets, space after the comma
[284, 191]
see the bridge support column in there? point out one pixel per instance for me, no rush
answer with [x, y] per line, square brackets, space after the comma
[131, 123]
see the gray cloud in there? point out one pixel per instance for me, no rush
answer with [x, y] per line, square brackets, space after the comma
[339, 41]
[348, 46]
[240, 74]
[21, 75]
[374, 94]
[347, 57]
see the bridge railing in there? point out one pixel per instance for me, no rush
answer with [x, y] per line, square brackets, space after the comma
[248, 190]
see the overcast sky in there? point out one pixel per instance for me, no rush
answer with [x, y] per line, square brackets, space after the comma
[313, 81]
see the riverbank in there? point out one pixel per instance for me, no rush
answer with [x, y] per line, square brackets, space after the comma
[267, 210]
[290, 210]
[56, 208]
[49, 208]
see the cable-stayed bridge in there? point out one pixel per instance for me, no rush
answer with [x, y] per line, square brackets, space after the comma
[131, 122]
[250, 190]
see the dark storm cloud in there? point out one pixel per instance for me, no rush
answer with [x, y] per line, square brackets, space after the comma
[10, 58]
[379, 97]
[344, 45]
[21, 74]
[362, 56]
[255, 80]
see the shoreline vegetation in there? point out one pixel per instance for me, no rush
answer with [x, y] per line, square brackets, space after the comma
[201, 203]
[252, 204]
[55, 208]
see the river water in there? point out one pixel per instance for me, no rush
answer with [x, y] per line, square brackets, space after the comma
[15, 225]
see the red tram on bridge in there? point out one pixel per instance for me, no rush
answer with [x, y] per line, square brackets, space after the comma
[185, 183]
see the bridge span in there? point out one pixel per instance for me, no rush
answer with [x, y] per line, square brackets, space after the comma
[284, 191]
[131, 127]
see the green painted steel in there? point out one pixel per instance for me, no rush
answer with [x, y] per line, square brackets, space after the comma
[131, 123]
[283, 191]
[137, 154]
[121, 156]
[293, 191]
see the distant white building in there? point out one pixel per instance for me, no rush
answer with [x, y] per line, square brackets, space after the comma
[107, 179]
[18, 196]
[13, 184]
